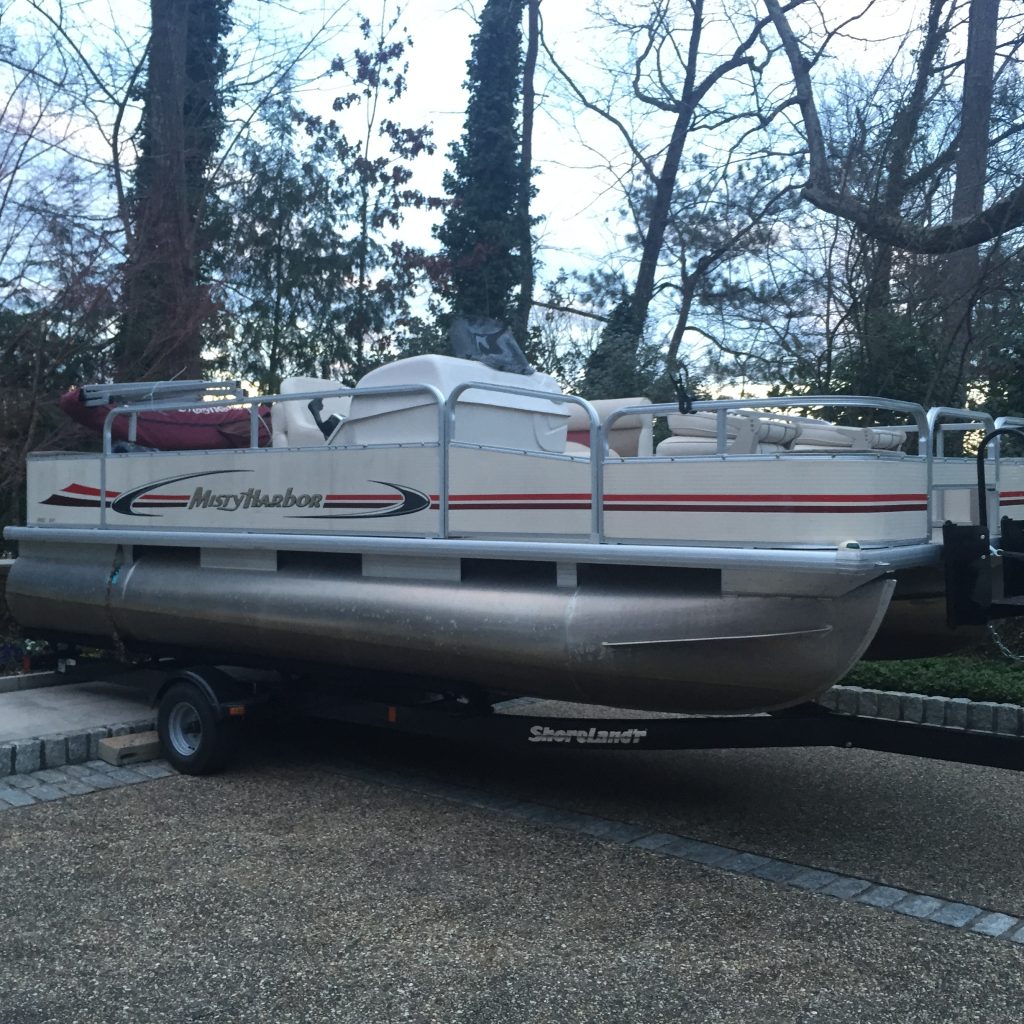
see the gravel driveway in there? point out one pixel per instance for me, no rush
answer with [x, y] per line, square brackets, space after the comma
[295, 889]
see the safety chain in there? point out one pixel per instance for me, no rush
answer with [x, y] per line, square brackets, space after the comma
[1001, 644]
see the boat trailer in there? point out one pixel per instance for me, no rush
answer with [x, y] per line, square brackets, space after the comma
[201, 710]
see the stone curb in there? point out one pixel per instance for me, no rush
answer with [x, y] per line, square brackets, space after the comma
[20, 757]
[34, 681]
[982, 716]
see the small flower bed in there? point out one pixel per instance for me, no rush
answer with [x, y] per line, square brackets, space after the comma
[18, 655]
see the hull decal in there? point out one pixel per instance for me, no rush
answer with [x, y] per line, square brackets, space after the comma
[400, 500]
[375, 506]
[138, 501]
[126, 501]
[816, 504]
[129, 503]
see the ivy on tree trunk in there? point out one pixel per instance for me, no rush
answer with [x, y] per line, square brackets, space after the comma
[164, 301]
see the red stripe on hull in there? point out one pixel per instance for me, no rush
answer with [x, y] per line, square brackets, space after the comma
[765, 498]
[91, 491]
[813, 509]
[511, 506]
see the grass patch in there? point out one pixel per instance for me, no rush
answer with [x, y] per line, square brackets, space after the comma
[981, 676]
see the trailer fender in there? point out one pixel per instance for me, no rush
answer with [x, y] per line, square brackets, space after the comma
[228, 697]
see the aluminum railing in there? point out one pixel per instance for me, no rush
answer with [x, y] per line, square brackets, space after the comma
[929, 426]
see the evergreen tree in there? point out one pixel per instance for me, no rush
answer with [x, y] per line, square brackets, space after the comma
[285, 264]
[481, 232]
[317, 283]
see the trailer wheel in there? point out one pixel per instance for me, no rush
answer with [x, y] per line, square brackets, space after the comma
[196, 740]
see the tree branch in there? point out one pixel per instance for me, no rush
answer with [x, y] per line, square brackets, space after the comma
[1001, 216]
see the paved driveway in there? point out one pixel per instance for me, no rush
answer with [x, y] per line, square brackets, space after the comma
[315, 883]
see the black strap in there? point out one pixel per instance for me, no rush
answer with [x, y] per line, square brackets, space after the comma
[683, 396]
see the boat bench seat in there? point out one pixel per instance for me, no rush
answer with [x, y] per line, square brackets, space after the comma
[293, 423]
[821, 436]
[749, 434]
[630, 435]
[696, 433]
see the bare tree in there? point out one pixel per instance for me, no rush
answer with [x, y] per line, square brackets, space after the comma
[698, 69]
[826, 190]
[58, 246]
[907, 156]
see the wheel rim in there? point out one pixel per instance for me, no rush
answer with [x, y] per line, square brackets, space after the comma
[184, 729]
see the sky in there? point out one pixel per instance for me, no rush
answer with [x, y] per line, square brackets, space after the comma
[576, 197]
[581, 227]
[569, 198]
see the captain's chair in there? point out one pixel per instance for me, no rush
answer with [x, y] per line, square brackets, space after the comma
[293, 423]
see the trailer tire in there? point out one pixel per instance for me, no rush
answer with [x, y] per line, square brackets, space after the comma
[196, 740]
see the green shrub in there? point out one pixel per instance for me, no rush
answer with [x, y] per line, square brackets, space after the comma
[983, 676]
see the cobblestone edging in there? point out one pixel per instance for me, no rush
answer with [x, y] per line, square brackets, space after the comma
[847, 888]
[74, 780]
[33, 681]
[20, 757]
[953, 712]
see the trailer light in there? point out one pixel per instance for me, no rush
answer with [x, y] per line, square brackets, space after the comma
[392, 715]
[236, 710]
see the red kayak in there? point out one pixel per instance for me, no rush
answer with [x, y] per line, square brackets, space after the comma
[173, 429]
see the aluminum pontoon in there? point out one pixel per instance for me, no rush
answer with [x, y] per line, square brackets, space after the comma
[456, 521]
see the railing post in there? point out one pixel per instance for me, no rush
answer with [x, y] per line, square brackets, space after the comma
[446, 431]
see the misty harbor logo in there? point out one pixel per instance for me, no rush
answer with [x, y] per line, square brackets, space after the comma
[152, 499]
[253, 498]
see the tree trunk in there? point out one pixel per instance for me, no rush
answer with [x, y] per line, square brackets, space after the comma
[961, 270]
[164, 306]
[524, 302]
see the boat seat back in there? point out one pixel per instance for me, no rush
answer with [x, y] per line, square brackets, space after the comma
[583, 450]
[293, 423]
[491, 418]
[630, 435]
[888, 439]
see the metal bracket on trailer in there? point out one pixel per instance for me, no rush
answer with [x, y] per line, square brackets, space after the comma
[815, 727]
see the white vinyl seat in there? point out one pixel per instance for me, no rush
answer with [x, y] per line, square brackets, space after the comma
[410, 414]
[822, 436]
[293, 423]
[696, 433]
[888, 439]
[583, 450]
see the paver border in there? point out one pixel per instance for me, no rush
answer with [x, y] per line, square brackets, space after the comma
[981, 716]
[35, 753]
[964, 917]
